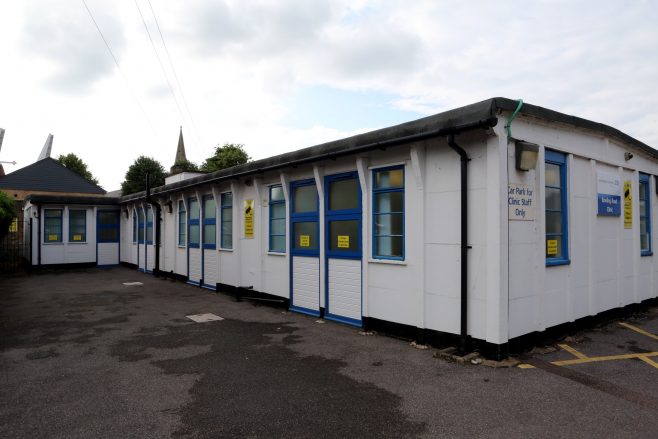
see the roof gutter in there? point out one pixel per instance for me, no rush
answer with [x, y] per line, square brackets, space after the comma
[482, 123]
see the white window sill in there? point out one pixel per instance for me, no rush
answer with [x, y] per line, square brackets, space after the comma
[78, 243]
[229, 250]
[277, 253]
[182, 247]
[387, 261]
[53, 243]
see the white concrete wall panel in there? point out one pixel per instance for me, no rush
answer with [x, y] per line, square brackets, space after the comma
[181, 261]
[108, 253]
[150, 256]
[344, 288]
[210, 267]
[306, 282]
[141, 256]
[195, 265]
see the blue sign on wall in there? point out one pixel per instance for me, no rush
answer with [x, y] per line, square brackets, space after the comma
[609, 194]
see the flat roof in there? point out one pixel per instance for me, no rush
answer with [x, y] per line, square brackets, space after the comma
[478, 115]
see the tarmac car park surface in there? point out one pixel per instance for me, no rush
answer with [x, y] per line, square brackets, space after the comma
[83, 355]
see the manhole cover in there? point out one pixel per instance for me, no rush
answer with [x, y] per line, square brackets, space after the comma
[202, 318]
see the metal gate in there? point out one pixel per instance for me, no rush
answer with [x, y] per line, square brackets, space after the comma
[15, 247]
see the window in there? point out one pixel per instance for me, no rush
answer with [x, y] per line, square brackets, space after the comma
[645, 215]
[304, 218]
[388, 213]
[343, 215]
[227, 220]
[134, 225]
[140, 226]
[108, 226]
[277, 220]
[52, 225]
[209, 222]
[557, 244]
[182, 224]
[149, 225]
[77, 226]
[194, 223]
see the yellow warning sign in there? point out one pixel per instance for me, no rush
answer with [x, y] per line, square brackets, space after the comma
[249, 219]
[77, 237]
[13, 227]
[53, 237]
[551, 247]
[304, 240]
[628, 205]
[343, 241]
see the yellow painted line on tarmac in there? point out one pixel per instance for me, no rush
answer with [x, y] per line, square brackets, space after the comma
[638, 330]
[572, 351]
[603, 358]
[649, 361]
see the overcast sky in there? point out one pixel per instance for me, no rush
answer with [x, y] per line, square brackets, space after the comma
[281, 75]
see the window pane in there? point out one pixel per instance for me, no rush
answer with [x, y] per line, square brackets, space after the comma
[227, 199]
[643, 191]
[344, 236]
[227, 240]
[388, 224]
[305, 235]
[140, 212]
[389, 202]
[77, 226]
[553, 199]
[209, 232]
[278, 243]
[392, 178]
[149, 232]
[227, 227]
[554, 246]
[389, 246]
[140, 233]
[194, 234]
[107, 218]
[194, 209]
[276, 193]
[553, 222]
[227, 214]
[277, 211]
[643, 208]
[305, 199]
[209, 208]
[278, 227]
[108, 234]
[344, 194]
[552, 175]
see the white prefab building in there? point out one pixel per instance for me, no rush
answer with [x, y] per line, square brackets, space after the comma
[554, 214]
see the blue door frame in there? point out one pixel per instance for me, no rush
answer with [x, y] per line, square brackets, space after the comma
[340, 215]
[299, 218]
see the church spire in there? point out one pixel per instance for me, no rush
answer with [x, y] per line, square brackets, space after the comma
[47, 147]
[180, 155]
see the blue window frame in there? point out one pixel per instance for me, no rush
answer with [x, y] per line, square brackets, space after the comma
[277, 210]
[557, 223]
[149, 225]
[140, 225]
[134, 225]
[77, 225]
[209, 222]
[182, 224]
[52, 225]
[227, 220]
[193, 227]
[304, 218]
[388, 213]
[107, 225]
[645, 215]
[343, 216]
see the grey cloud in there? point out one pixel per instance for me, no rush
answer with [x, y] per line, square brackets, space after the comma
[65, 36]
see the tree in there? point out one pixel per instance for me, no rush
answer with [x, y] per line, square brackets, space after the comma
[7, 213]
[136, 175]
[225, 156]
[75, 164]
[185, 166]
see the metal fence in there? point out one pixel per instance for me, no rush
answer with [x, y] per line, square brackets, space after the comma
[15, 247]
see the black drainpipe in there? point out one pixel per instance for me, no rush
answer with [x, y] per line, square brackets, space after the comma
[463, 337]
[158, 215]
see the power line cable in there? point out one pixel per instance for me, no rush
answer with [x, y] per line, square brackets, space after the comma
[164, 72]
[116, 62]
[173, 69]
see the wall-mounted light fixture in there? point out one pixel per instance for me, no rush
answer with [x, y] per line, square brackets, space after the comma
[526, 155]
[628, 156]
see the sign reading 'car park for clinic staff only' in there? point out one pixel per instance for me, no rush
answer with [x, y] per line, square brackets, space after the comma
[608, 188]
[521, 202]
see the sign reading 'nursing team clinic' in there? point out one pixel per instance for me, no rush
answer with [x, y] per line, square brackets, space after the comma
[608, 188]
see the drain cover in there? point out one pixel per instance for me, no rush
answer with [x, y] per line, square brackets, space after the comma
[202, 318]
[130, 284]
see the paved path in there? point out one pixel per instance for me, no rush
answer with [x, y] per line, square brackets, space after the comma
[82, 355]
